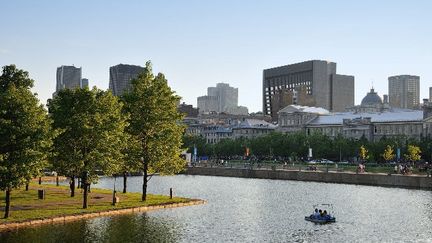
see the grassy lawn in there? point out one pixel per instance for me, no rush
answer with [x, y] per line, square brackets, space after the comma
[25, 205]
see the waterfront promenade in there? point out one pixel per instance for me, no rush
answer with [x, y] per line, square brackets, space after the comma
[327, 175]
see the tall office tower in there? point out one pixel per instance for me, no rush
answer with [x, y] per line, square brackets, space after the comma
[68, 77]
[430, 94]
[84, 83]
[121, 76]
[207, 104]
[221, 98]
[310, 83]
[404, 91]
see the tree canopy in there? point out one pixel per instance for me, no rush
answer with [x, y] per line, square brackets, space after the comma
[24, 130]
[155, 123]
[91, 137]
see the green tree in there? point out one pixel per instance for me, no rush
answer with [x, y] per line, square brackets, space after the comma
[388, 154]
[413, 153]
[156, 123]
[91, 137]
[24, 131]
[130, 162]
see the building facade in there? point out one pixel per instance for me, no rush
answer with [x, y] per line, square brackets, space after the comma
[68, 77]
[221, 99]
[373, 120]
[207, 104]
[84, 83]
[404, 91]
[121, 76]
[188, 110]
[310, 83]
[372, 102]
[252, 128]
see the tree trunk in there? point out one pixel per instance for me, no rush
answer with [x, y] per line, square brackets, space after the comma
[124, 182]
[144, 188]
[27, 187]
[7, 207]
[57, 180]
[40, 180]
[72, 186]
[85, 185]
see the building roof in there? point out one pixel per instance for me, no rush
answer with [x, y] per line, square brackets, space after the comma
[397, 115]
[307, 109]
[255, 123]
[371, 98]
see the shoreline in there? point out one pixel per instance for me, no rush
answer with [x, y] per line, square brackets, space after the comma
[74, 217]
[368, 179]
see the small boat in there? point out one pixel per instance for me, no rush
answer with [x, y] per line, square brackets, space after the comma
[322, 220]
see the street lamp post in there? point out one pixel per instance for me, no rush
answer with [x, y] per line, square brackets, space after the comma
[114, 199]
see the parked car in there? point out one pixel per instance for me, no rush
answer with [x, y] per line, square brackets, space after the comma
[315, 161]
[326, 161]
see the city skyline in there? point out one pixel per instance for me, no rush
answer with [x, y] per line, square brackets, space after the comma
[232, 45]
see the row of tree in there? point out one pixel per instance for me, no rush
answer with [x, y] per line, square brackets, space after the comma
[295, 146]
[87, 132]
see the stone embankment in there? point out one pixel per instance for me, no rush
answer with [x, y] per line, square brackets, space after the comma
[67, 218]
[372, 179]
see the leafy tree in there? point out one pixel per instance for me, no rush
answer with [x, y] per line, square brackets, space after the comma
[155, 122]
[191, 141]
[363, 153]
[91, 127]
[24, 131]
[388, 154]
[130, 162]
[413, 153]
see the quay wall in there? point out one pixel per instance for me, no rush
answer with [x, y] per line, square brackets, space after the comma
[372, 179]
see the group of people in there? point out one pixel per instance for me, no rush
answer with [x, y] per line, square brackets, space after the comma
[403, 169]
[361, 168]
[320, 214]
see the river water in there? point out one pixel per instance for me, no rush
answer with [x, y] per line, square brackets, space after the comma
[253, 210]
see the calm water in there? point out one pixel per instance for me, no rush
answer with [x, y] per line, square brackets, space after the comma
[254, 210]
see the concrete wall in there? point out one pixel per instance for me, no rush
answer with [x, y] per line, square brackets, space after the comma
[418, 182]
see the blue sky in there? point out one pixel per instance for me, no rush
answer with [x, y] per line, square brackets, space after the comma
[199, 43]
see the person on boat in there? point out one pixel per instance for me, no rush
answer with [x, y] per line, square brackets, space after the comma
[326, 215]
[316, 214]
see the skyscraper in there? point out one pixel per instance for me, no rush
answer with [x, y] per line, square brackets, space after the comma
[404, 91]
[221, 98]
[84, 83]
[121, 76]
[68, 77]
[310, 83]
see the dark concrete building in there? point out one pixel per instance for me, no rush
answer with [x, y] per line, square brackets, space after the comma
[188, 110]
[121, 76]
[310, 83]
[68, 77]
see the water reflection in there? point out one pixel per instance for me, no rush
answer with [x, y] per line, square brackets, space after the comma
[123, 228]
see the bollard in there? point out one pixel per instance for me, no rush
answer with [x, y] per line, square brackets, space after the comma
[115, 199]
[171, 192]
[41, 194]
